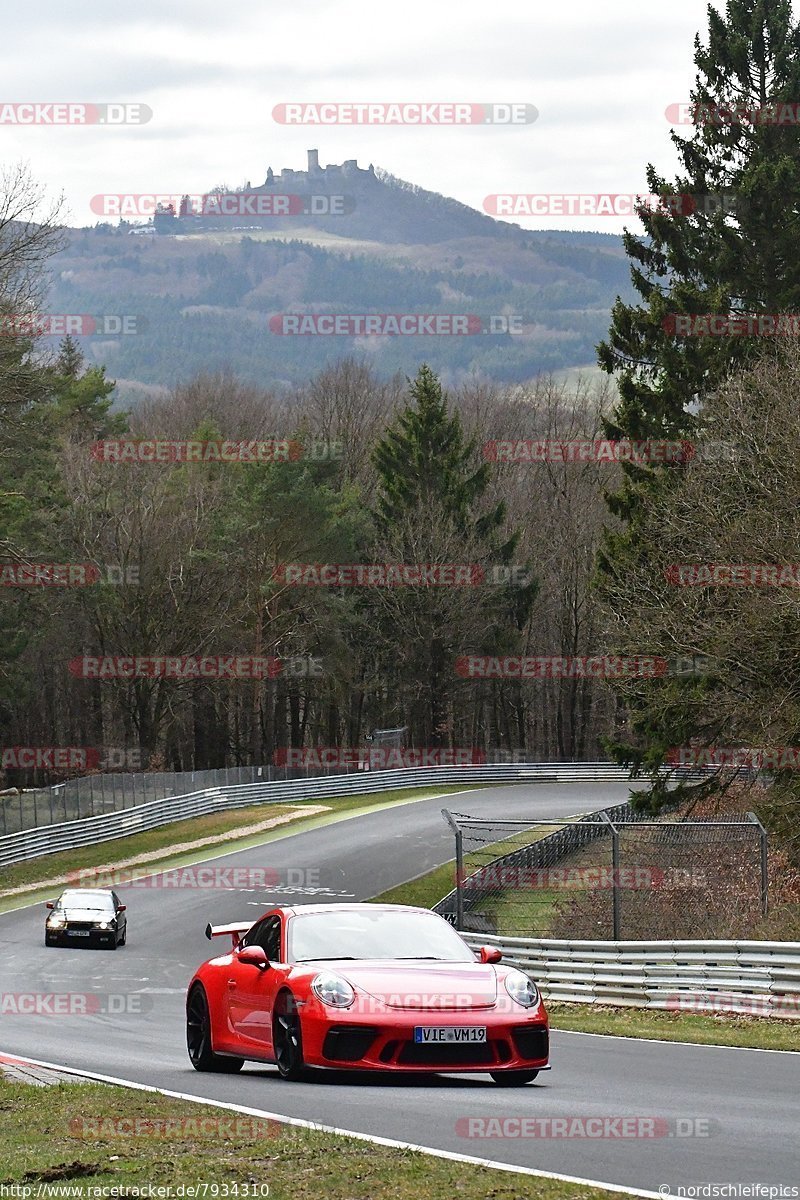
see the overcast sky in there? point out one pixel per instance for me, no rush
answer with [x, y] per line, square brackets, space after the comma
[600, 74]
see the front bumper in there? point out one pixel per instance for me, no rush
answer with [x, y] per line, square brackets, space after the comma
[387, 1042]
[84, 937]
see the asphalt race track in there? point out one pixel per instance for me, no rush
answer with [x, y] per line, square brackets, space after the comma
[749, 1098]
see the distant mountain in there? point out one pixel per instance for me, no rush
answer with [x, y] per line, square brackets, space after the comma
[342, 199]
[211, 291]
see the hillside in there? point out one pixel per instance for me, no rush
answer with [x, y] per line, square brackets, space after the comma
[209, 294]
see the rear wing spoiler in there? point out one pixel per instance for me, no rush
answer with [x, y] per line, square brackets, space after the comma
[235, 931]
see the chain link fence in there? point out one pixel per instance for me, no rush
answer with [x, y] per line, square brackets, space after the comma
[613, 874]
[92, 795]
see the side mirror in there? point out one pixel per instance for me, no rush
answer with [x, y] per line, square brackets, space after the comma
[122, 908]
[489, 954]
[50, 904]
[254, 956]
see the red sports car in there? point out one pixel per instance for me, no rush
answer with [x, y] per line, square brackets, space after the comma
[379, 987]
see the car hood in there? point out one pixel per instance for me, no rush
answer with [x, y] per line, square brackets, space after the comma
[428, 985]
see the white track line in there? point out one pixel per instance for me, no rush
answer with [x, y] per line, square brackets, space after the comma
[319, 1128]
[622, 1037]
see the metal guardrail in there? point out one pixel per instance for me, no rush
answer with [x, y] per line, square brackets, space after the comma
[89, 831]
[757, 978]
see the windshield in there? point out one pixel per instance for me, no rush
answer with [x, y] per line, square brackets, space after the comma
[376, 935]
[86, 901]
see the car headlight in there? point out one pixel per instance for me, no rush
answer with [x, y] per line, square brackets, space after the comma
[331, 989]
[522, 989]
[56, 921]
[104, 925]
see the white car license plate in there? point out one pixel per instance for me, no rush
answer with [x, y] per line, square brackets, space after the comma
[78, 932]
[433, 1034]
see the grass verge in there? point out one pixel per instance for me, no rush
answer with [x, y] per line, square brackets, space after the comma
[219, 825]
[64, 1135]
[720, 1029]
[431, 887]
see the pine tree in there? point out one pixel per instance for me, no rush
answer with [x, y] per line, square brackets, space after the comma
[725, 240]
[728, 245]
[432, 508]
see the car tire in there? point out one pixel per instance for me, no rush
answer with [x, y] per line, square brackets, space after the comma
[198, 1037]
[287, 1038]
[513, 1078]
[124, 937]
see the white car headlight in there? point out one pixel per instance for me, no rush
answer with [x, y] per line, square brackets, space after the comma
[56, 920]
[331, 989]
[522, 989]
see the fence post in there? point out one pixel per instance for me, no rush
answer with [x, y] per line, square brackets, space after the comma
[615, 870]
[751, 816]
[459, 869]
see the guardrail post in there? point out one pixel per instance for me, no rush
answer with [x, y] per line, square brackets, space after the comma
[615, 902]
[459, 868]
[751, 816]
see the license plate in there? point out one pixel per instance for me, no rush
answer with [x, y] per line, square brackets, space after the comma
[78, 932]
[433, 1034]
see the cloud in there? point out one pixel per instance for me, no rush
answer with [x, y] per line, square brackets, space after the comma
[601, 77]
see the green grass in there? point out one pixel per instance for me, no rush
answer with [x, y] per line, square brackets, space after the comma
[215, 825]
[723, 1029]
[41, 1141]
[511, 909]
[425, 891]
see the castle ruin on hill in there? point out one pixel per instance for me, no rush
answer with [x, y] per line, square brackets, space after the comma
[335, 173]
